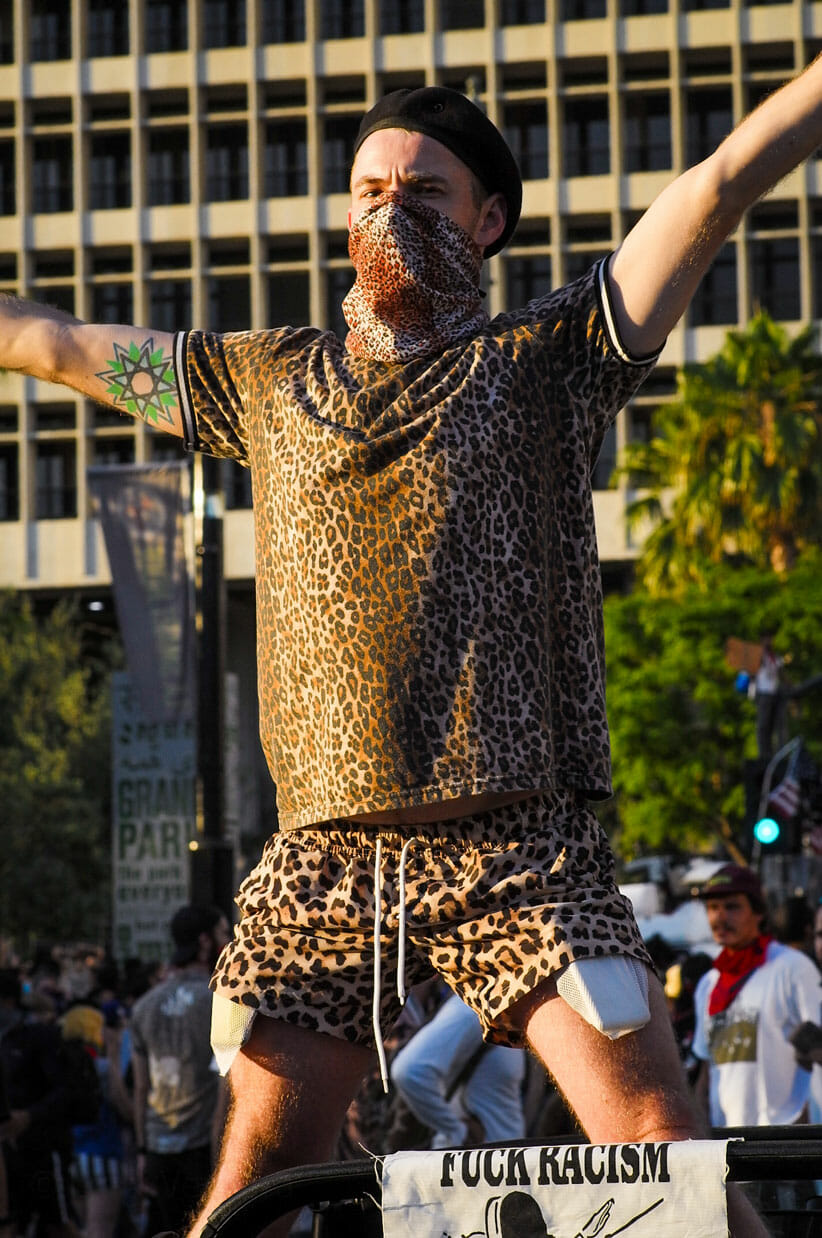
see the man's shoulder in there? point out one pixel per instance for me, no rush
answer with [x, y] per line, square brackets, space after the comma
[788, 958]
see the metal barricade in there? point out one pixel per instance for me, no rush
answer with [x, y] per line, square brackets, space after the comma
[756, 1154]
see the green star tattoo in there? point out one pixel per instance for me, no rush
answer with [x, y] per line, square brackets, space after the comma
[141, 380]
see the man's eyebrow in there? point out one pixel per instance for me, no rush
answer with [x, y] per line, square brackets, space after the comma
[411, 178]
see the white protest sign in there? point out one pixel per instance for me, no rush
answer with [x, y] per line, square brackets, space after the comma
[153, 822]
[641, 1190]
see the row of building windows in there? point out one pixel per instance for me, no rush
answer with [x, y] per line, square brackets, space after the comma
[770, 257]
[773, 276]
[585, 135]
[165, 24]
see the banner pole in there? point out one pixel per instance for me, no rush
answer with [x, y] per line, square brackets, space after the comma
[211, 854]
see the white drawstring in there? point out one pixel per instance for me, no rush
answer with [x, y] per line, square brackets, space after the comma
[401, 994]
[375, 1007]
[401, 947]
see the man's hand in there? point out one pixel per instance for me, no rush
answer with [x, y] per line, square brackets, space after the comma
[15, 1124]
[807, 1041]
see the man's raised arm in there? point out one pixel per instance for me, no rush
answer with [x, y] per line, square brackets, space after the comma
[129, 368]
[657, 268]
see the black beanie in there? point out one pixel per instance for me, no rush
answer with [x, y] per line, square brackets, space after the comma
[459, 124]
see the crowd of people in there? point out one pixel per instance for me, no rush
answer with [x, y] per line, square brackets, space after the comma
[110, 1102]
[112, 1108]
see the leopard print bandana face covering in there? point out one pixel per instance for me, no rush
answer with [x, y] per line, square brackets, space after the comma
[417, 288]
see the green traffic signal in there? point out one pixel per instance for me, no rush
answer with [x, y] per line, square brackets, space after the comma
[766, 831]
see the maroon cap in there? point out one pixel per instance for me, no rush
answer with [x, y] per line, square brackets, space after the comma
[733, 879]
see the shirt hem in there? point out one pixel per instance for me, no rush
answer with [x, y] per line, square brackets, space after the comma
[300, 818]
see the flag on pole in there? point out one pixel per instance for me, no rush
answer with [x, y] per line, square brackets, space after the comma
[141, 509]
[785, 798]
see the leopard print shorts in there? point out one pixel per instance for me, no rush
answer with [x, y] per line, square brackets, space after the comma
[494, 903]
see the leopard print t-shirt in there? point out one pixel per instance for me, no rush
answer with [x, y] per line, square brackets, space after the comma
[429, 609]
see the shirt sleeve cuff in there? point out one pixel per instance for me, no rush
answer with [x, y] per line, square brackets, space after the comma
[611, 329]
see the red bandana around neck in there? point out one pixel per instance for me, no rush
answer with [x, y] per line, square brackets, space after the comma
[734, 967]
[417, 288]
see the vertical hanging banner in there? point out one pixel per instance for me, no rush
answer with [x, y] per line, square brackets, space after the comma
[154, 781]
[640, 1190]
[142, 510]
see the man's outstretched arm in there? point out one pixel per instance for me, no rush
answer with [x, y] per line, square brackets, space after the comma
[129, 368]
[658, 266]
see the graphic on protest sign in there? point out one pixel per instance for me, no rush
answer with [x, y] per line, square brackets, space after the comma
[154, 774]
[578, 1191]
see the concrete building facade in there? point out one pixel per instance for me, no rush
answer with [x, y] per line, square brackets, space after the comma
[185, 162]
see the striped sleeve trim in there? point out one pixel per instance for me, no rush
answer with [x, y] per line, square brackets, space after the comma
[190, 440]
[604, 292]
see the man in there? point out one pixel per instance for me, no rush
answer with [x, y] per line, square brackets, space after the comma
[35, 1129]
[429, 624]
[807, 1039]
[177, 1091]
[748, 1006]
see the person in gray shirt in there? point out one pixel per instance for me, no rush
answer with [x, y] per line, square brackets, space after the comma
[177, 1091]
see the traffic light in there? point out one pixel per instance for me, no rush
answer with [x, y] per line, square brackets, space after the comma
[767, 831]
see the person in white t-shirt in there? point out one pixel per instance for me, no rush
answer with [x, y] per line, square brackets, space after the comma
[807, 1039]
[747, 1007]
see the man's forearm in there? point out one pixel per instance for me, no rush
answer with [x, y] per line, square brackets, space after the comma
[129, 368]
[30, 334]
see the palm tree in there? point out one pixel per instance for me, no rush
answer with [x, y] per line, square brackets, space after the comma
[734, 470]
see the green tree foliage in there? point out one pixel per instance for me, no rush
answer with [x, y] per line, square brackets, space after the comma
[54, 779]
[734, 469]
[680, 732]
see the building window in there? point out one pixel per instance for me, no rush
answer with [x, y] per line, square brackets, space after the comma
[229, 303]
[6, 31]
[51, 175]
[286, 159]
[715, 301]
[697, 6]
[227, 163]
[283, 21]
[462, 14]
[110, 171]
[526, 279]
[169, 304]
[606, 461]
[107, 25]
[112, 302]
[708, 119]
[340, 136]
[56, 481]
[8, 195]
[166, 25]
[289, 299]
[647, 132]
[582, 10]
[526, 130]
[119, 450]
[165, 447]
[9, 482]
[775, 277]
[169, 179]
[338, 281]
[521, 12]
[50, 30]
[586, 137]
[402, 16]
[59, 296]
[224, 23]
[236, 486]
[816, 268]
[342, 19]
[642, 8]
